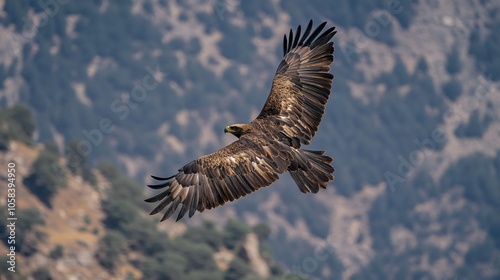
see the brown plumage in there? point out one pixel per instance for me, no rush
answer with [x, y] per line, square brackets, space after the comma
[270, 144]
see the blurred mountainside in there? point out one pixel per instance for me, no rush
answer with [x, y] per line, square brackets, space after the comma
[94, 226]
[413, 120]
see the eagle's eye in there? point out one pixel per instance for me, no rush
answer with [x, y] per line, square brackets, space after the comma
[232, 127]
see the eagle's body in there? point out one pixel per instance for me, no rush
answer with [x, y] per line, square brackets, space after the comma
[269, 145]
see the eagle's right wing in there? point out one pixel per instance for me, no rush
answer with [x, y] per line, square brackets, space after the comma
[302, 83]
[234, 171]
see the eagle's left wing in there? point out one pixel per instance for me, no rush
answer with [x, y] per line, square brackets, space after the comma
[302, 83]
[234, 171]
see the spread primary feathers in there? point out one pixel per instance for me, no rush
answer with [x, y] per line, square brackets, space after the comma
[269, 145]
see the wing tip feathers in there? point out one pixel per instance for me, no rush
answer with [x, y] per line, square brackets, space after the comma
[307, 38]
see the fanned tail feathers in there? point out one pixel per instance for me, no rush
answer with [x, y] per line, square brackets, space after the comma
[313, 171]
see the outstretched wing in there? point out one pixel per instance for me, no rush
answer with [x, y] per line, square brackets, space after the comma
[302, 83]
[234, 171]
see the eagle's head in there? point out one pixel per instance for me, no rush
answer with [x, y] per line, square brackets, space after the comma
[236, 129]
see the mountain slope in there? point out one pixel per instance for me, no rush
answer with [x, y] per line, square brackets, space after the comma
[413, 122]
[76, 235]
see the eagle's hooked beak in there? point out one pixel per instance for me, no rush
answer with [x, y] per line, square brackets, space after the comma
[226, 129]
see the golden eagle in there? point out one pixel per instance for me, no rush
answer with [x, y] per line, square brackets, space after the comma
[270, 144]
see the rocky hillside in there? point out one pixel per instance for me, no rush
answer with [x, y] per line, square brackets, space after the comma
[413, 121]
[73, 236]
